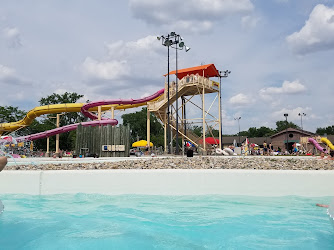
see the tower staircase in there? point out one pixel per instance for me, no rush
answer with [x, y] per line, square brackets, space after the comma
[188, 86]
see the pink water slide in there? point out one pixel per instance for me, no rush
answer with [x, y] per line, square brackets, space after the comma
[90, 115]
[316, 144]
[87, 106]
[65, 129]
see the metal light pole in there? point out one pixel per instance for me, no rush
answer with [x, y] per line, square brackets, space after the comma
[167, 43]
[287, 138]
[226, 73]
[301, 119]
[178, 45]
[176, 99]
[238, 119]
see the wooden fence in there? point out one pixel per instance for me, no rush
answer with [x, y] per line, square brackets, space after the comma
[91, 140]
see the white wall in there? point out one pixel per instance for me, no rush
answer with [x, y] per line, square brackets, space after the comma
[170, 182]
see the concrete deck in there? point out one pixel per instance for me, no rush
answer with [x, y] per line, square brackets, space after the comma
[170, 182]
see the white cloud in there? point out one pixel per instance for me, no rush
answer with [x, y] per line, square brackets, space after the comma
[6, 72]
[293, 114]
[13, 37]
[109, 70]
[294, 87]
[249, 22]
[317, 33]
[240, 100]
[144, 46]
[193, 15]
[126, 61]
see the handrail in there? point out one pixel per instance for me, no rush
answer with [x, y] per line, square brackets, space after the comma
[185, 81]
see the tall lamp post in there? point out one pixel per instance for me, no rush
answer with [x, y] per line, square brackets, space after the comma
[301, 119]
[175, 41]
[167, 42]
[178, 45]
[287, 138]
[238, 119]
[221, 74]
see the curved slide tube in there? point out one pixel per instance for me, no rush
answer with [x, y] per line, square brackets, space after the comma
[90, 106]
[316, 144]
[85, 108]
[328, 142]
[59, 108]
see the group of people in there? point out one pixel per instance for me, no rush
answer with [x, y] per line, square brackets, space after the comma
[330, 156]
[267, 148]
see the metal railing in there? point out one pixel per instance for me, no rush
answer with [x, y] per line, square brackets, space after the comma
[185, 81]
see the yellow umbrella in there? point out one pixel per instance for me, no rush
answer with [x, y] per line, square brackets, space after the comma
[141, 143]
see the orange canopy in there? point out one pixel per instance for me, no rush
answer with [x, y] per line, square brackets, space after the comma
[208, 70]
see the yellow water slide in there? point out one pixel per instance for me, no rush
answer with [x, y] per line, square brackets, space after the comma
[328, 142]
[58, 108]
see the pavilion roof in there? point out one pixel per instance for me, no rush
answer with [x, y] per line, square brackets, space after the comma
[208, 70]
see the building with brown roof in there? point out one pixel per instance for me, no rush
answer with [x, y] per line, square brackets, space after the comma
[286, 138]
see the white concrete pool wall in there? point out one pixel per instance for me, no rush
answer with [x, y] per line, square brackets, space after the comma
[170, 182]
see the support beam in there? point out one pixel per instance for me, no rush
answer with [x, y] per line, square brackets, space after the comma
[183, 123]
[189, 139]
[112, 112]
[148, 135]
[99, 114]
[220, 117]
[57, 136]
[165, 132]
[203, 114]
[47, 154]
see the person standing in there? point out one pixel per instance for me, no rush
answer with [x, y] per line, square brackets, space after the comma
[265, 149]
[270, 149]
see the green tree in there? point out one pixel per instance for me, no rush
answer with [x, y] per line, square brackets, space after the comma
[328, 130]
[265, 131]
[67, 140]
[282, 125]
[10, 114]
[244, 133]
[137, 122]
[197, 130]
[258, 132]
[215, 132]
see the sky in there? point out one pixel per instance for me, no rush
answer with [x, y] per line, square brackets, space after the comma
[279, 53]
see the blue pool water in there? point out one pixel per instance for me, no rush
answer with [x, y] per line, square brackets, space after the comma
[85, 221]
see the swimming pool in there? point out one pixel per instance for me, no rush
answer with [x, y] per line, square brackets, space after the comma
[94, 221]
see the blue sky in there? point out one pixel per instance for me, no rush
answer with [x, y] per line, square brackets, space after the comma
[280, 53]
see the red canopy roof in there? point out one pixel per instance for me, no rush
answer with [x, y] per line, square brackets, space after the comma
[210, 140]
[209, 70]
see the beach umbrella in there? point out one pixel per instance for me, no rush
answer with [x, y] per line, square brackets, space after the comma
[141, 143]
[210, 140]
